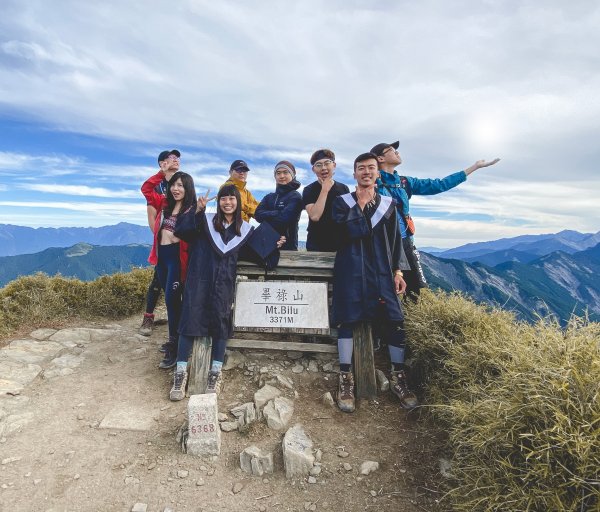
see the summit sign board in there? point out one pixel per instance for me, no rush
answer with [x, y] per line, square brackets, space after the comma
[288, 304]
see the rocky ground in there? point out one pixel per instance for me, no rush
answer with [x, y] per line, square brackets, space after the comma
[86, 424]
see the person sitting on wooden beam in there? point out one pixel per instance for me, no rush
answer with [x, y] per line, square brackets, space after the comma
[368, 278]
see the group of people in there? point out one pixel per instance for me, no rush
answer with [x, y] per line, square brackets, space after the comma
[370, 230]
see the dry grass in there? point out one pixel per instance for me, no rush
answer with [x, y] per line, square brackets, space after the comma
[521, 404]
[39, 300]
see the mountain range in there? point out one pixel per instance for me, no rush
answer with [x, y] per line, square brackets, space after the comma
[16, 240]
[532, 275]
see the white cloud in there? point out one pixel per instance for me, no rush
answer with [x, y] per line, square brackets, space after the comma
[82, 190]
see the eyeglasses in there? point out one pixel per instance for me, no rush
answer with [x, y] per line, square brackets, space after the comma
[320, 165]
[240, 170]
[172, 157]
[390, 149]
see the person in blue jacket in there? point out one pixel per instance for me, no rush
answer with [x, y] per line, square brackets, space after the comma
[402, 188]
[282, 208]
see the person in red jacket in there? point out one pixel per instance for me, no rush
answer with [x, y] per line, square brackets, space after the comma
[168, 162]
[169, 254]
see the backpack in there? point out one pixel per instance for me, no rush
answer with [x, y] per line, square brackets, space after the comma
[405, 184]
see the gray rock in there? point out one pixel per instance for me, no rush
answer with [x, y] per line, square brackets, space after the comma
[282, 380]
[237, 487]
[316, 470]
[264, 394]
[222, 416]
[30, 351]
[313, 366]
[297, 452]
[82, 336]
[298, 368]
[312, 480]
[229, 426]
[182, 473]
[139, 507]
[318, 455]
[343, 454]
[382, 380]
[328, 367]
[42, 334]
[327, 399]
[245, 413]
[446, 468]
[16, 376]
[294, 355]
[138, 417]
[347, 466]
[368, 467]
[278, 412]
[68, 361]
[256, 462]
[235, 359]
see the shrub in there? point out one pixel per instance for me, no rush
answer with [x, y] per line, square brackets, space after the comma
[38, 300]
[521, 404]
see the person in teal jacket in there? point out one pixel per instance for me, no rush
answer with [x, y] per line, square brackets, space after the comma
[402, 188]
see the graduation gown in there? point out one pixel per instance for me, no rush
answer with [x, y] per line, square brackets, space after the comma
[210, 283]
[370, 250]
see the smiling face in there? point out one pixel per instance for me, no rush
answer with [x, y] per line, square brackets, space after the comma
[366, 172]
[178, 190]
[228, 205]
[390, 158]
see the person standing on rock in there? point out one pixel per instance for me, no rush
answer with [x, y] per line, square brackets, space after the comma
[317, 199]
[170, 254]
[156, 186]
[368, 278]
[281, 209]
[402, 188]
[215, 241]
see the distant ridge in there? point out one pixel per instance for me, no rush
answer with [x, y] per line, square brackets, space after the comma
[16, 240]
[83, 261]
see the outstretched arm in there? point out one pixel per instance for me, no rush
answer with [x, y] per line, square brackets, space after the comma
[480, 164]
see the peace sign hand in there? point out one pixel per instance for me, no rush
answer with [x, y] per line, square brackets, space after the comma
[202, 200]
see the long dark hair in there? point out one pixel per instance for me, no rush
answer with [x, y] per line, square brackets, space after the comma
[189, 199]
[219, 219]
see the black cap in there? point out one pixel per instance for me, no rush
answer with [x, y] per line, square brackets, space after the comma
[239, 165]
[262, 246]
[382, 146]
[166, 154]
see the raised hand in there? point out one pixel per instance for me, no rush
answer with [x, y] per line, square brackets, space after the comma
[202, 200]
[479, 164]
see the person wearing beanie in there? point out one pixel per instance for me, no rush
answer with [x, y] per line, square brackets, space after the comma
[281, 209]
[317, 199]
[238, 175]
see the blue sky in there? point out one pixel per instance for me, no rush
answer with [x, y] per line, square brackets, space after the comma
[90, 94]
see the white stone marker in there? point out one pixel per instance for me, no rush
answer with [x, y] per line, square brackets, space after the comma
[204, 434]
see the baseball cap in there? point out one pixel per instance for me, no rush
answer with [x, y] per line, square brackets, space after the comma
[166, 154]
[238, 165]
[382, 146]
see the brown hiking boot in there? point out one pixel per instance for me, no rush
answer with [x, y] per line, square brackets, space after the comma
[345, 398]
[147, 325]
[214, 382]
[399, 386]
[178, 389]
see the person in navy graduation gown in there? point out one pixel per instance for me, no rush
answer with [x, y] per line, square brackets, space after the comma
[215, 241]
[368, 278]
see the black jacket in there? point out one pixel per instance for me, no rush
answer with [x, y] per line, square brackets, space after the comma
[281, 209]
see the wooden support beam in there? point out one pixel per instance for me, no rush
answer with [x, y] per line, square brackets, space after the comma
[282, 345]
[199, 366]
[364, 361]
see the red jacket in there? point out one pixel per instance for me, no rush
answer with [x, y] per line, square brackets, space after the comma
[159, 202]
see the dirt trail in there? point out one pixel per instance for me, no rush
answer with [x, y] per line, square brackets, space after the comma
[56, 456]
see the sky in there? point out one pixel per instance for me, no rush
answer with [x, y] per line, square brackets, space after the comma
[90, 93]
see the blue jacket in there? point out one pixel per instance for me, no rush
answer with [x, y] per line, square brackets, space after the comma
[281, 209]
[390, 185]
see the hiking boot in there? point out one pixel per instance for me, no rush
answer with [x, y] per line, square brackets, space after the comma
[214, 382]
[345, 398]
[163, 348]
[170, 359]
[147, 325]
[399, 386]
[178, 390]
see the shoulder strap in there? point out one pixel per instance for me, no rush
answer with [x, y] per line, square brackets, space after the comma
[406, 186]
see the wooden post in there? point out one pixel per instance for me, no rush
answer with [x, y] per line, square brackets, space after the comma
[199, 366]
[364, 362]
